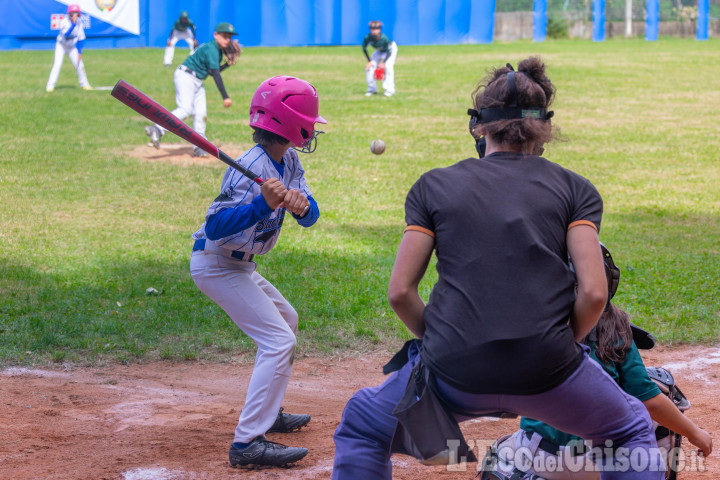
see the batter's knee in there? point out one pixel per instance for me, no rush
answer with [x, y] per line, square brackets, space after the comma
[286, 344]
[292, 318]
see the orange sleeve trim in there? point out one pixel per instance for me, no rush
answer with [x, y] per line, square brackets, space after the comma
[415, 228]
[583, 222]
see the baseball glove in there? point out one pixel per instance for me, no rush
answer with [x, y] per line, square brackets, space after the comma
[195, 43]
[232, 52]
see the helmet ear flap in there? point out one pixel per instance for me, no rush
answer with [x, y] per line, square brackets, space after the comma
[612, 272]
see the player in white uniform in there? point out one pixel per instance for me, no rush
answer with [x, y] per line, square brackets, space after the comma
[69, 42]
[245, 221]
[183, 29]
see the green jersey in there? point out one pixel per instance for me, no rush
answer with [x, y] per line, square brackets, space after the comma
[181, 27]
[382, 44]
[205, 58]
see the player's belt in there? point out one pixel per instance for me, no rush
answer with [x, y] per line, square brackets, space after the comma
[211, 247]
[185, 69]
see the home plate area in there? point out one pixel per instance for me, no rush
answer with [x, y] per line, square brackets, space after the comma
[175, 421]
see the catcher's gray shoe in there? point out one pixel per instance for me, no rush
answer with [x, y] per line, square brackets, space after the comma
[287, 422]
[261, 452]
[154, 133]
[199, 152]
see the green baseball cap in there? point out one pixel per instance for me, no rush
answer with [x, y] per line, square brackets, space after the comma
[184, 15]
[225, 27]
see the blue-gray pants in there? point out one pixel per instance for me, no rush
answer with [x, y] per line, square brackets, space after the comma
[588, 404]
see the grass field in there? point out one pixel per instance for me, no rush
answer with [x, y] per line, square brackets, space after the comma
[85, 228]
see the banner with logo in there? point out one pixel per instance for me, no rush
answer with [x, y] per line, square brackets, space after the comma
[40, 18]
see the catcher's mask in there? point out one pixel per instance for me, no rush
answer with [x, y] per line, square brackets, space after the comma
[510, 112]
[288, 106]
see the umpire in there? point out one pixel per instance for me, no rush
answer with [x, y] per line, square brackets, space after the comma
[495, 332]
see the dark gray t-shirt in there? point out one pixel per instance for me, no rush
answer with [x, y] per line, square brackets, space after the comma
[497, 319]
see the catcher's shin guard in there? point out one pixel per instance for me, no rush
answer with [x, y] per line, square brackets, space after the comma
[667, 438]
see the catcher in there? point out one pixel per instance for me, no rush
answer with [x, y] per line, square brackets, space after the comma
[189, 76]
[614, 344]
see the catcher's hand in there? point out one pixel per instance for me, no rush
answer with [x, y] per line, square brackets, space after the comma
[232, 52]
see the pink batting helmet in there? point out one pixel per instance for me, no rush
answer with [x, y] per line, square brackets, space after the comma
[74, 8]
[286, 106]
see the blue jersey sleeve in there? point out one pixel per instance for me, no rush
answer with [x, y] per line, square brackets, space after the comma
[70, 30]
[230, 221]
[311, 216]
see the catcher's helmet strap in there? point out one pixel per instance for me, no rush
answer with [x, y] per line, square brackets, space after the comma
[487, 115]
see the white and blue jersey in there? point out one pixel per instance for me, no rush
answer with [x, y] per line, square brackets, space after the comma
[71, 34]
[239, 219]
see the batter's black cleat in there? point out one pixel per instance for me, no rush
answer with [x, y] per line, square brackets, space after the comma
[261, 452]
[287, 422]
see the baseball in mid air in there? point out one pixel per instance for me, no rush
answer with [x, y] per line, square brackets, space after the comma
[377, 146]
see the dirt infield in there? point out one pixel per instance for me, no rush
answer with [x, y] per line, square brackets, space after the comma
[181, 153]
[166, 421]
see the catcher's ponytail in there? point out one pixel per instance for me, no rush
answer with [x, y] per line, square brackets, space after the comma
[613, 335]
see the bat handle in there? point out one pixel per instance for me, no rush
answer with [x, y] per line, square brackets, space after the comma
[231, 162]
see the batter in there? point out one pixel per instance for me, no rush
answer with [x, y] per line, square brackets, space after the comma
[244, 222]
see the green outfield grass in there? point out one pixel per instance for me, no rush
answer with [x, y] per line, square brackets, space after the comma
[85, 228]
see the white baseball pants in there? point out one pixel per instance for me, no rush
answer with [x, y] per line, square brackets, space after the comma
[190, 99]
[176, 35]
[260, 311]
[72, 52]
[389, 80]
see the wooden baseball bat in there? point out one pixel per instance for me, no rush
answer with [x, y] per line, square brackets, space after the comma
[156, 113]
